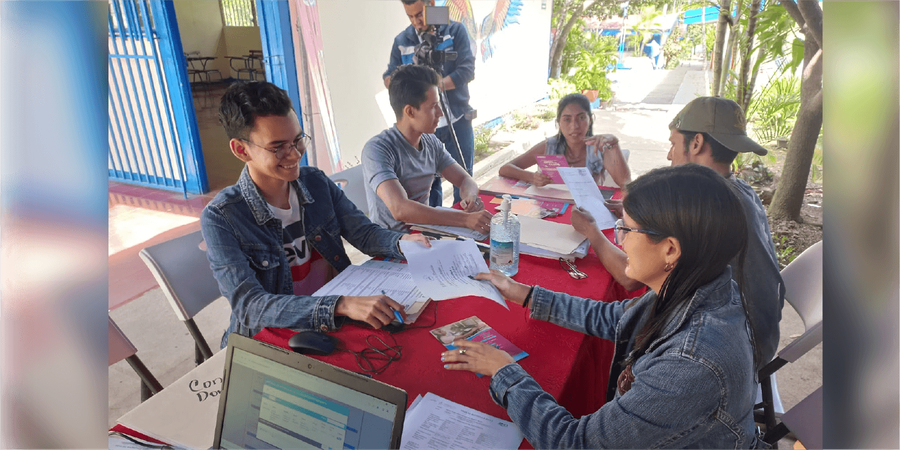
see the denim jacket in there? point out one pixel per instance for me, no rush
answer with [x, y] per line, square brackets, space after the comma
[246, 251]
[695, 386]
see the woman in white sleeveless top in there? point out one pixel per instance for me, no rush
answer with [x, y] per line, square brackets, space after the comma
[576, 141]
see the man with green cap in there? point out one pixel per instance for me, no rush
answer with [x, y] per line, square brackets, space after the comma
[711, 131]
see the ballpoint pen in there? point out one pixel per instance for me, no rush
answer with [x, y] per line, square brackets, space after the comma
[396, 313]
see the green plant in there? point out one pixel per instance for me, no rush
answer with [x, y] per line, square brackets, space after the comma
[560, 87]
[817, 162]
[676, 49]
[783, 251]
[752, 168]
[773, 112]
[483, 137]
[592, 66]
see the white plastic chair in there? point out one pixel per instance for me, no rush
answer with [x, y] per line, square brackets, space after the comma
[121, 348]
[182, 270]
[803, 290]
[354, 187]
[607, 180]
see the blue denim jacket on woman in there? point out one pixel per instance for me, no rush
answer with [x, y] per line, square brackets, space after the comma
[246, 251]
[695, 386]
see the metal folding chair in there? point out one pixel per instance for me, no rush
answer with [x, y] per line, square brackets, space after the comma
[803, 290]
[182, 270]
[121, 348]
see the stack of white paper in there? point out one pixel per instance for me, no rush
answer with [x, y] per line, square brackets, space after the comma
[379, 277]
[551, 236]
[433, 422]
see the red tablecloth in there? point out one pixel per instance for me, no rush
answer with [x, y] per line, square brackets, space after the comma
[571, 366]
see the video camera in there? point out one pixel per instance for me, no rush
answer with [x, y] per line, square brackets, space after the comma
[426, 53]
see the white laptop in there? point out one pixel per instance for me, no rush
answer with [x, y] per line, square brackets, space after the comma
[275, 398]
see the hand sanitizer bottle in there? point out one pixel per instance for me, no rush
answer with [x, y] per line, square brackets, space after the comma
[505, 231]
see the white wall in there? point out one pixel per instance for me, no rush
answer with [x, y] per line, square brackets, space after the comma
[200, 24]
[357, 36]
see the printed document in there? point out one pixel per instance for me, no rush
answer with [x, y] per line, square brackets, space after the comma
[438, 423]
[442, 271]
[587, 195]
[375, 277]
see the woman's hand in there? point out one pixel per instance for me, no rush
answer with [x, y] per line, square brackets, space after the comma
[540, 179]
[375, 310]
[615, 207]
[583, 221]
[602, 142]
[475, 357]
[472, 204]
[420, 238]
[510, 289]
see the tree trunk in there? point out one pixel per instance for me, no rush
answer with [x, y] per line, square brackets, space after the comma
[745, 89]
[749, 94]
[719, 48]
[733, 37]
[561, 17]
[792, 186]
[563, 35]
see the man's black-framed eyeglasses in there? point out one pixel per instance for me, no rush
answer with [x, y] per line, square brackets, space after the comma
[621, 229]
[301, 144]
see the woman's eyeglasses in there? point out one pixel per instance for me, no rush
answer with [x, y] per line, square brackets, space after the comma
[621, 229]
[300, 144]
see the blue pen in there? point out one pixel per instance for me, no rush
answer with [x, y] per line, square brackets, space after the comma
[396, 313]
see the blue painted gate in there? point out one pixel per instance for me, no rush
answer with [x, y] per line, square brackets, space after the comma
[153, 135]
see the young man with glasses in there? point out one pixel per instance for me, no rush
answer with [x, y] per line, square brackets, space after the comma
[710, 131]
[274, 238]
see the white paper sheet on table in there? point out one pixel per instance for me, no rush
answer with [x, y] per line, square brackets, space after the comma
[587, 195]
[442, 271]
[557, 191]
[373, 277]
[438, 423]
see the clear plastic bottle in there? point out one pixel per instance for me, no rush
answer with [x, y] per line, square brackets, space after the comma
[505, 232]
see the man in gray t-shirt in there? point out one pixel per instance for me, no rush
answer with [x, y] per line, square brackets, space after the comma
[399, 164]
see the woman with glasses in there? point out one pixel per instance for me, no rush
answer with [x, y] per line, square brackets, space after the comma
[576, 141]
[682, 374]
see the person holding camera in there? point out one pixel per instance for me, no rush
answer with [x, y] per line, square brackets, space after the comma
[456, 73]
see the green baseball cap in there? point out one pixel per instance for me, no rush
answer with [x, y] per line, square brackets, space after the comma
[721, 118]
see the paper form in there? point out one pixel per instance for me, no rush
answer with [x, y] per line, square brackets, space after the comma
[438, 423]
[442, 271]
[456, 231]
[587, 195]
[374, 278]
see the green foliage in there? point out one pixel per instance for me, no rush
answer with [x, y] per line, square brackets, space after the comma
[592, 65]
[773, 111]
[783, 251]
[752, 168]
[483, 137]
[575, 43]
[677, 48]
[780, 34]
[560, 87]
[817, 162]
[523, 121]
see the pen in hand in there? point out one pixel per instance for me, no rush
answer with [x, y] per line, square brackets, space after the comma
[396, 313]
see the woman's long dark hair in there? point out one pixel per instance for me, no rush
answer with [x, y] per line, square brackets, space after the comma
[585, 104]
[699, 208]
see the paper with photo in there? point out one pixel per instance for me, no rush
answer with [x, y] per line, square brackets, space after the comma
[587, 195]
[442, 271]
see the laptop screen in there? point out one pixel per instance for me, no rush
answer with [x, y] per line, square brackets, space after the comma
[272, 405]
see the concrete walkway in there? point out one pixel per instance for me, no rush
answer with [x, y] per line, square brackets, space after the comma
[645, 102]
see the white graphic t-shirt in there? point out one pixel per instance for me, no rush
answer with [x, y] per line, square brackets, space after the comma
[309, 270]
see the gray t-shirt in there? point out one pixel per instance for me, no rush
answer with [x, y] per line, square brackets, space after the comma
[763, 287]
[389, 156]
